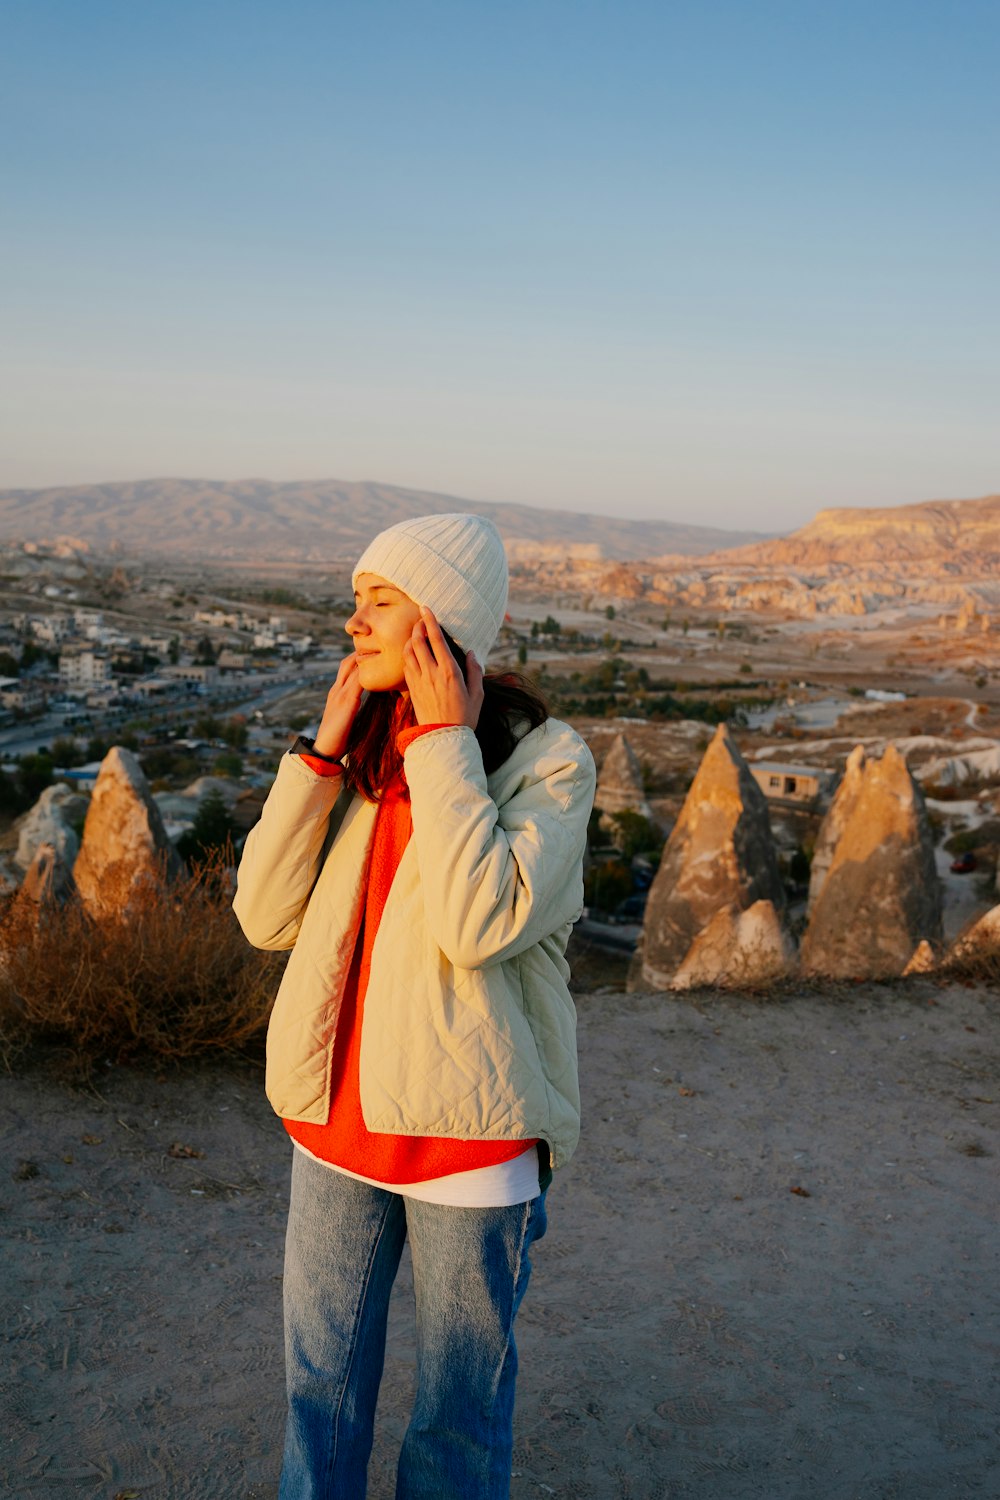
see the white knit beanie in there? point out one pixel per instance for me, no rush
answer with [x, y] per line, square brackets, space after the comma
[455, 565]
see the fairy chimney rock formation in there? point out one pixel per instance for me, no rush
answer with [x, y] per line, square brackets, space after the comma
[49, 822]
[983, 935]
[124, 841]
[879, 897]
[619, 786]
[716, 910]
[49, 878]
[836, 821]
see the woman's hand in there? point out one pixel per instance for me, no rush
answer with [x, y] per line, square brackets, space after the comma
[438, 693]
[342, 703]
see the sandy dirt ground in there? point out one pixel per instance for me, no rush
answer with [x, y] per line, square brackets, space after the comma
[771, 1269]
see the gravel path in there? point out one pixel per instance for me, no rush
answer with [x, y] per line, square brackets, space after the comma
[771, 1270]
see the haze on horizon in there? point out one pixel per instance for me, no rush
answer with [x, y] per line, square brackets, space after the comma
[723, 264]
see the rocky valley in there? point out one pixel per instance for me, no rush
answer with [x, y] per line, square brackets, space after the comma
[878, 629]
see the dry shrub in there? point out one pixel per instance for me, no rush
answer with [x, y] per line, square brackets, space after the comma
[167, 971]
[974, 963]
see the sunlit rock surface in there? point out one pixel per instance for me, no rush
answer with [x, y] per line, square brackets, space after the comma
[716, 910]
[982, 935]
[124, 841]
[619, 785]
[50, 822]
[49, 878]
[879, 895]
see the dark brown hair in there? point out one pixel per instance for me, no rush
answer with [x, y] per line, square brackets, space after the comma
[511, 706]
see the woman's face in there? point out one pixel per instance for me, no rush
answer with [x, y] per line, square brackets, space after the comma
[380, 627]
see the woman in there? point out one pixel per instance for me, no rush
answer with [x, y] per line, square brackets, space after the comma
[422, 858]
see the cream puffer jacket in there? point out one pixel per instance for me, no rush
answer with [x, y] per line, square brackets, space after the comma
[469, 1030]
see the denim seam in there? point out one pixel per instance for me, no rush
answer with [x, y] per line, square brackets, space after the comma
[515, 1283]
[346, 1384]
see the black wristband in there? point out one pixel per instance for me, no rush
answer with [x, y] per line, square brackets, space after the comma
[303, 746]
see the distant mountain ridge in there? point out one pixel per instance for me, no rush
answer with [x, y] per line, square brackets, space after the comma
[317, 521]
[959, 536]
[941, 555]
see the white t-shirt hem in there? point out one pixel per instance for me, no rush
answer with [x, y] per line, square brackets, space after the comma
[500, 1186]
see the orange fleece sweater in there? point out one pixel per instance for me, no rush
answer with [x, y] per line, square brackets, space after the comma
[344, 1140]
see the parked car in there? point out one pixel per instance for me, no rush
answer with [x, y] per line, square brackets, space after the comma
[964, 864]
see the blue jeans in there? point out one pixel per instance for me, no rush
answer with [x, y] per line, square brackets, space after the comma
[470, 1272]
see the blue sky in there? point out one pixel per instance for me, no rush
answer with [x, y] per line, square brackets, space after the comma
[722, 262]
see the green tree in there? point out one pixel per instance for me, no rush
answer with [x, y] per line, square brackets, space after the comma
[212, 829]
[66, 754]
[522, 654]
[31, 652]
[12, 798]
[174, 651]
[635, 834]
[609, 612]
[228, 764]
[205, 652]
[605, 885]
[595, 833]
[235, 732]
[34, 774]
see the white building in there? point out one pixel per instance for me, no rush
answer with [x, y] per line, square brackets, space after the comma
[234, 661]
[218, 618]
[50, 628]
[151, 687]
[800, 785]
[83, 668]
[196, 672]
[22, 693]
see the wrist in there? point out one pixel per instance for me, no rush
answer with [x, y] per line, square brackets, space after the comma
[304, 746]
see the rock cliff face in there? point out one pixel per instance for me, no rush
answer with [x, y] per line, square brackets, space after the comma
[962, 534]
[876, 895]
[124, 842]
[49, 822]
[835, 822]
[716, 908]
[49, 878]
[843, 563]
[619, 785]
[981, 937]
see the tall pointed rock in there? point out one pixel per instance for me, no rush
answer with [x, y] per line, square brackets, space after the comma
[836, 820]
[50, 822]
[124, 842]
[49, 879]
[880, 896]
[619, 785]
[716, 909]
